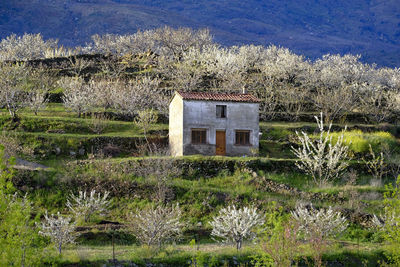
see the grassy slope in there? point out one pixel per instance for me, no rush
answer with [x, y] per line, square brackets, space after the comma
[200, 197]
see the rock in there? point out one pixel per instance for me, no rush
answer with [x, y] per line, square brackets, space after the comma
[81, 151]
[57, 150]
[57, 131]
[72, 153]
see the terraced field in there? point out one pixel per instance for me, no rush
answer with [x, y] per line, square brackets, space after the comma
[80, 159]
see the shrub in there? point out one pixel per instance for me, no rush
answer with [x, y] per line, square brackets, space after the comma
[359, 141]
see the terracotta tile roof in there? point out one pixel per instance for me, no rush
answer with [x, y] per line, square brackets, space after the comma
[218, 97]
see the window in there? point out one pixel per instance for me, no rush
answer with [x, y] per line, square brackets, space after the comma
[221, 111]
[199, 136]
[242, 138]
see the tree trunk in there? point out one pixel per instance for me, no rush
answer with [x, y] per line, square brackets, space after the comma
[113, 248]
[239, 244]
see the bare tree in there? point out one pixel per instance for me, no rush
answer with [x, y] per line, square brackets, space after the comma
[292, 101]
[157, 167]
[145, 119]
[317, 226]
[376, 165]
[98, 123]
[59, 229]
[320, 158]
[113, 67]
[163, 41]
[235, 225]
[155, 225]
[79, 66]
[86, 205]
[161, 170]
[334, 102]
[185, 75]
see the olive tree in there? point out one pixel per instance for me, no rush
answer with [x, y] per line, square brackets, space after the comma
[236, 224]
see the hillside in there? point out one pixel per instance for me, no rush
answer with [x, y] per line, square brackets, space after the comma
[313, 28]
[91, 135]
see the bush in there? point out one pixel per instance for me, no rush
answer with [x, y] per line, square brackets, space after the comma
[359, 141]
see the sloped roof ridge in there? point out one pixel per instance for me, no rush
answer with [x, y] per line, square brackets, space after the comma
[229, 97]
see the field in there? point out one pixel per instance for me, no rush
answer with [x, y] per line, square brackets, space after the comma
[80, 159]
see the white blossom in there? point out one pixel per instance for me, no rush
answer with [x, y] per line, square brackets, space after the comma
[59, 229]
[26, 47]
[85, 205]
[155, 225]
[319, 223]
[14, 94]
[388, 219]
[141, 94]
[321, 159]
[78, 96]
[235, 225]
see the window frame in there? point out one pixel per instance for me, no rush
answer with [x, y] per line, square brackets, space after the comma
[223, 112]
[198, 130]
[238, 141]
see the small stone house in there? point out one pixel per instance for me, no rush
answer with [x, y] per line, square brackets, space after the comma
[213, 124]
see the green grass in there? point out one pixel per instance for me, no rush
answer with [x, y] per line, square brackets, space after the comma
[348, 253]
[359, 141]
[206, 184]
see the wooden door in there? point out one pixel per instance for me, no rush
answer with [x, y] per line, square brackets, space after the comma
[220, 142]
